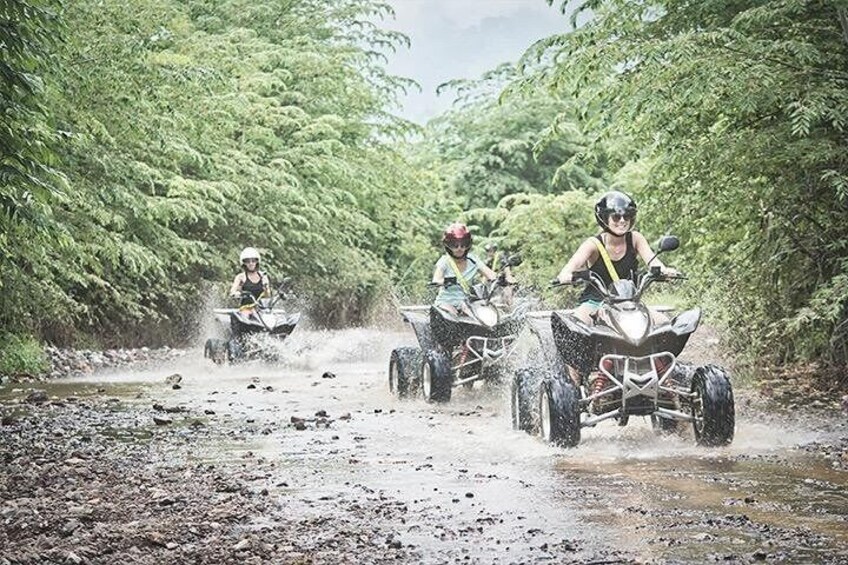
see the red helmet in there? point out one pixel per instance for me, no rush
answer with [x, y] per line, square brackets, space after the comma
[456, 234]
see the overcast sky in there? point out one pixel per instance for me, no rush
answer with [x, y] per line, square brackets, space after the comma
[462, 39]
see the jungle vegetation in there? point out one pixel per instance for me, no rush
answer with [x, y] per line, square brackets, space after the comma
[143, 144]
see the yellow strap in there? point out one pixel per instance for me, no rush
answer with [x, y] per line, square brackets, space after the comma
[461, 279]
[605, 256]
[496, 262]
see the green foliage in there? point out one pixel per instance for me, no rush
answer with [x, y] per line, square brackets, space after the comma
[192, 129]
[739, 109]
[21, 355]
[544, 229]
[489, 148]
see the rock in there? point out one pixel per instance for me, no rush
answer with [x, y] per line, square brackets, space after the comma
[209, 412]
[73, 558]
[175, 386]
[36, 397]
[176, 378]
[345, 416]
[243, 544]
[70, 527]
[328, 375]
[251, 386]
[162, 420]
[300, 425]
[321, 414]
[8, 420]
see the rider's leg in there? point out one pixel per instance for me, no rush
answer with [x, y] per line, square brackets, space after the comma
[448, 308]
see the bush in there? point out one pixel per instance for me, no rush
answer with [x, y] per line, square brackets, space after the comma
[22, 355]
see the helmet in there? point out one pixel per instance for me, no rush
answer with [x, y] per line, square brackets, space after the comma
[614, 203]
[248, 253]
[456, 233]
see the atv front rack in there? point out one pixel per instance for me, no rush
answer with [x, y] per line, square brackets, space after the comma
[482, 351]
[638, 378]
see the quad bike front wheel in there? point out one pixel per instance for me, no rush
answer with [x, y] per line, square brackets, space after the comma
[403, 365]
[559, 412]
[436, 377]
[712, 406]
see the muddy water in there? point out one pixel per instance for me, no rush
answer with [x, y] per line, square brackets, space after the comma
[470, 489]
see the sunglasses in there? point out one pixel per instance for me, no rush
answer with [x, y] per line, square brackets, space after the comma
[620, 217]
[458, 245]
[250, 261]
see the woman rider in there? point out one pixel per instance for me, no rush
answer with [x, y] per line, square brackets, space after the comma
[615, 213]
[457, 264]
[251, 279]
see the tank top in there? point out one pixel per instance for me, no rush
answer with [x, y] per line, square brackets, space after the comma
[625, 267]
[455, 295]
[254, 288]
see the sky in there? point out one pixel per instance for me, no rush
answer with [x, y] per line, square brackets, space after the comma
[454, 39]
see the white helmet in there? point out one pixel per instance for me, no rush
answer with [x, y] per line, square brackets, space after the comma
[248, 253]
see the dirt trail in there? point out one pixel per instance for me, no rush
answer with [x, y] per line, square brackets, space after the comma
[88, 477]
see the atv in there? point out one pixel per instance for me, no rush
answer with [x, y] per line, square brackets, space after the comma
[247, 324]
[458, 349]
[628, 365]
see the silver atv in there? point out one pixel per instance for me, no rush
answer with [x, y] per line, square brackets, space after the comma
[629, 366]
[460, 349]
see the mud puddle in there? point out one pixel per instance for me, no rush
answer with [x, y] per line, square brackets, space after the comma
[367, 477]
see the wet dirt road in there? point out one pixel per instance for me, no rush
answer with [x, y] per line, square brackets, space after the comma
[454, 484]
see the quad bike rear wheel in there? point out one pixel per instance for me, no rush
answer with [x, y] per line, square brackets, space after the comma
[521, 398]
[216, 350]
[559, 412]
[713, 406]
[436, 377]
[681, 379]
[403, 365]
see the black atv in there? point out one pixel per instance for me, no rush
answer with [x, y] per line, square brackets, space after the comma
[628, 366]
[245, 324]
[457, 349]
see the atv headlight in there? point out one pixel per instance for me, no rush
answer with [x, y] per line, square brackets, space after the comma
[487, 315]
[634, 325]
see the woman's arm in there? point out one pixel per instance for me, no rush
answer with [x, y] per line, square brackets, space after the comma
[585, 255]
[643, 249]
[439, 274]
[266, 285]
[235, 289]
[488, 273]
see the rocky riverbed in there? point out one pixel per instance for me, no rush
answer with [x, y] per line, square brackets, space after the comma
[311, 461]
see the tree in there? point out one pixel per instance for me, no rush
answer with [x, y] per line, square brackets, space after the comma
[739, 109]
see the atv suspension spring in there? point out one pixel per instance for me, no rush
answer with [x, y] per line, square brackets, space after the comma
[599, 383]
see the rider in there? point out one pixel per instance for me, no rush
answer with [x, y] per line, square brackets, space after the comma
[615, 212]
[457, 264]
[251, 279]
[496, 260]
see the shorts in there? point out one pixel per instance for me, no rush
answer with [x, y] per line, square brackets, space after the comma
[591, 303]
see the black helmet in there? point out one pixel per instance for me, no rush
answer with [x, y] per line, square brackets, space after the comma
[615, 203]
